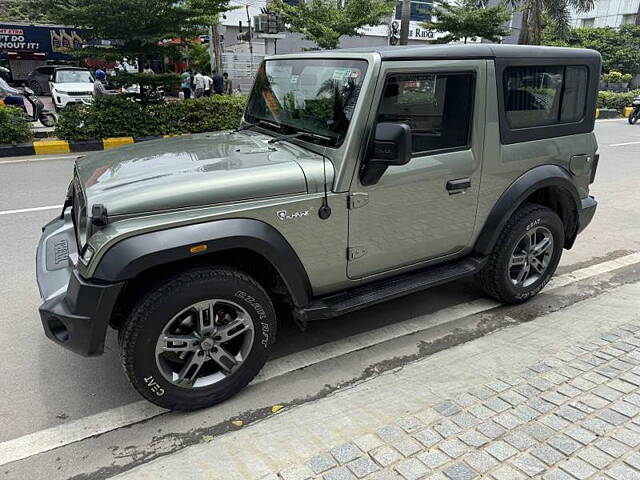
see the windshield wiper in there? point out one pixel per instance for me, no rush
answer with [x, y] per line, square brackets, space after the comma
[298, 135]
[247, 126]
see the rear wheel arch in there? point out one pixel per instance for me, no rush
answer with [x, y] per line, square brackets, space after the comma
[548, 185]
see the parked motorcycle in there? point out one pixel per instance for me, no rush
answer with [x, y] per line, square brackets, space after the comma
[38, 112]
[635, 113]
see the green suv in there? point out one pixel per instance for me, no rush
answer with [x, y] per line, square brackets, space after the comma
[355, 177]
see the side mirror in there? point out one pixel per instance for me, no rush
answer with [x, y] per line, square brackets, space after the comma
[391, 146]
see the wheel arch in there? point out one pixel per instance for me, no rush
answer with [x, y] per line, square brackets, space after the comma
[548, 185]
[242, 243]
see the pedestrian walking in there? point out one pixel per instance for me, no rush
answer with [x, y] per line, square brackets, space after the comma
[185, 78]
[217, 82]
[198, 84]
[208, 85]
[227, 84]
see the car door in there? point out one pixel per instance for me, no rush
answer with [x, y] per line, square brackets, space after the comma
[424, 210]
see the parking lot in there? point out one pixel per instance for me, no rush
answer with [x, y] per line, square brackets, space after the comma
[46, 388]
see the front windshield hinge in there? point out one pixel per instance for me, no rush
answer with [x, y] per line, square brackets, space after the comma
[357, 200]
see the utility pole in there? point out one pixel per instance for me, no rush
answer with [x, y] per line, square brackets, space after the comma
[212, 59]
[249, 35]
[405, 19]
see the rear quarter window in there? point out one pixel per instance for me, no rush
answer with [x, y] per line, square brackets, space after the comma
[536, 96]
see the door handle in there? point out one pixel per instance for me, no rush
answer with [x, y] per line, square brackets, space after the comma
[458, 186]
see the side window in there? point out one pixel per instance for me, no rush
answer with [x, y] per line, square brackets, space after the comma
[437, 106]
[575, 94]
[538, 96]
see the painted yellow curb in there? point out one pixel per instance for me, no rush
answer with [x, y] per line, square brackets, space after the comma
[627, 111]
[114, 142]
[51, 146]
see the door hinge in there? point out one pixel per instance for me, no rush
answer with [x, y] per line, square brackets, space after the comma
[356, 252]
[357, 200]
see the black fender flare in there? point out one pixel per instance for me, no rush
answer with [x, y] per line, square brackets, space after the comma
[525, 185]
[132, 256]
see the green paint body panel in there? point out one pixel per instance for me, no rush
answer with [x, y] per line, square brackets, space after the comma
[408, 221]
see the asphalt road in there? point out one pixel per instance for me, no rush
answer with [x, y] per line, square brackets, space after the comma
[45, 386]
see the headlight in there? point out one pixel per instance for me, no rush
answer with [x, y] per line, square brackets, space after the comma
[80, 219]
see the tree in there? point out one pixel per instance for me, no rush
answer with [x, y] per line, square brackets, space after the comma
[468, 20]
[325, 21]
[136, 29]
[198, 56]
[619, 47]
[534, 13]
[20, 11]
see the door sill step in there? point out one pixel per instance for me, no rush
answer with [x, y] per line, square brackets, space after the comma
[384, 290]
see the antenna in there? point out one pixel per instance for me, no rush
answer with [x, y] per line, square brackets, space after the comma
[325, 210]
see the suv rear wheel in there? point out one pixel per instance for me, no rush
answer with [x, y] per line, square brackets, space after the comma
[198, 338]
[525, 256]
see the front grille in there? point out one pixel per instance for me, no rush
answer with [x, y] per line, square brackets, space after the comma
[78, 94]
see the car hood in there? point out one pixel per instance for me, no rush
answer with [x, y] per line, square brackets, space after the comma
[198, 170]
[74, 87]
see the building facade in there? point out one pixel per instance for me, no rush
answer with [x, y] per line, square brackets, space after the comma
[608, 13]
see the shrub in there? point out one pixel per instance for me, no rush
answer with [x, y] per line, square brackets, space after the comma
[617, 77]
[14, 127]
[615, 100]
[200, 114]
[118, 116]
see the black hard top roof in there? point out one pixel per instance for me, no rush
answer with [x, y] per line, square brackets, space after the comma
[477, 50]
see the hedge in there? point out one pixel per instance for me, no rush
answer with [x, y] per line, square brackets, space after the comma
[118, 116]
[14, 127]
[617, 101]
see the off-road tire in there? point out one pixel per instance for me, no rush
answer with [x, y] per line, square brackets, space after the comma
[146, 320]
[494, 278]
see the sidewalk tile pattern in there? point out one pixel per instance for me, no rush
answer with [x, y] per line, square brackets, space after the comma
[573, 416]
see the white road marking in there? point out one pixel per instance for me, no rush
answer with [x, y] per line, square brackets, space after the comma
[97, 424]
[623, 144]
[34, 209]
[40, 159]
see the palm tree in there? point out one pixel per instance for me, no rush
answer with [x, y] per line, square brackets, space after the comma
[535, 11]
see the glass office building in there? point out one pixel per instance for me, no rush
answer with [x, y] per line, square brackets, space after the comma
[609, 13]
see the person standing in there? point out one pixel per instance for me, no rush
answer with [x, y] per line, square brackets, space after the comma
[198, 83]
[208, 85]
[185, 78]
[227, 84]
[217, 82]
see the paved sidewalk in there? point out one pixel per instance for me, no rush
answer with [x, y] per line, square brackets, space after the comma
[574, 415]
[555, 398]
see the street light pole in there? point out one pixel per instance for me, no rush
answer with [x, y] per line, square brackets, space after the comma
[405, 18]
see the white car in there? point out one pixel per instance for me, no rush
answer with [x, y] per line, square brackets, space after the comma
[70, 85]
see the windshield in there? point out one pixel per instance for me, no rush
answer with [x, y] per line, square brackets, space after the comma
[73, 76]
[307, 95]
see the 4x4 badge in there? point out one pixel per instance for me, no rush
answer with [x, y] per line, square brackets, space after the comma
[284, 215]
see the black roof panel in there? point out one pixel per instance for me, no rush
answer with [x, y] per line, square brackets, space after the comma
[477, 50]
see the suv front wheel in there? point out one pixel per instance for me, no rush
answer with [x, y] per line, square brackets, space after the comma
[198, 338]
[525, 256]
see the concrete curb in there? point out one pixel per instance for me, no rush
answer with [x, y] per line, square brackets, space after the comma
[49, 147]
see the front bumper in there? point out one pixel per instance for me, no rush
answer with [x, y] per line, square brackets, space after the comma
[76, 312]
[586, 212]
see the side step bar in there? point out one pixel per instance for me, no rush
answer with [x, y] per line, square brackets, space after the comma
[388, 289]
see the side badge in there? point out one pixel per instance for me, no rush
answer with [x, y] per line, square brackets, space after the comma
[284, 215]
